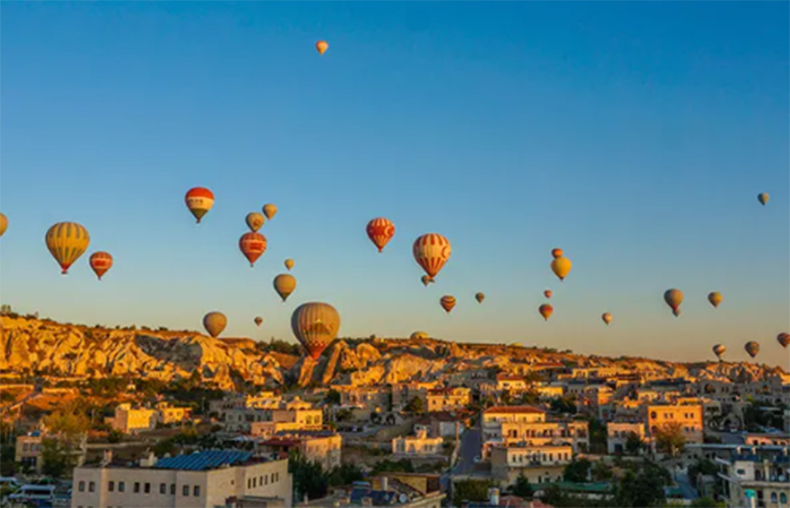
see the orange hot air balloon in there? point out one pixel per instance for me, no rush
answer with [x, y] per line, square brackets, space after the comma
[425, 280]
[3, 224]
[719, 350]
[254, 221]
[380, 231]
[546, 311]
[561, 266]
[480, 297]
[321, 47]
[783, 339]
[715, 298]
[447, 302]
[67, 241]
[315, 326]
[284, 284]
[556, 253]
[214, 323]
[100, 262]
[674, 297]
[269, 210]
[252, 245]
[752, 348]
[199, 200]
[607, 318]
[431, 251]
[547, 293]
[258, 321]
[289, 263]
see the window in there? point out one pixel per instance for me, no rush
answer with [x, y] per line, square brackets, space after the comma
[773, 497]
[92, 487]
[136, 487]
[266, 478]
[196, 491]
[162, 488]
[254, 482]
[185, 490]
[249, 483]
[121, 486]
[147, 488]
[111, 486]
[172, 489]
[783, 498]
[82, 486]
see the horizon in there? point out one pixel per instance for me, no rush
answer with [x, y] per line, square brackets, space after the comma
[636, 137]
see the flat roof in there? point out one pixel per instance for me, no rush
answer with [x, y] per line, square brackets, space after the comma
[201, 461]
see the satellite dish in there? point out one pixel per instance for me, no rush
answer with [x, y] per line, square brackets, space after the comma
[402, 498]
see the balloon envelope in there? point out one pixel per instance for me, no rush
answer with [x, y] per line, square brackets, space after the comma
[673, 298]
[321, 47]
[607, 318]
[284, 284]
[556, 253]
[783, 339]
[214, 323]
[67, 241]
[199, 200]
[254, 221]
[380, 231]
[447, 302]
[752, 348]
[425, 280]
[100, 262]
[289, 263]
[431, 251]
[3, 224]
[315, 326]
[252, 245]
[546, 311]
[763, 198]
[547, 293]
[719, 350]
[269, 210]
[480, 297]
[258, 320]
[418, 335]
[715, 298]
[561, 266]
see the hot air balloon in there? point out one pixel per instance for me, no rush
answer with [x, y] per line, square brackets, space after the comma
[418, 336]
[284, 284]
[607, 318]
[67, 241]
[269, 210]
[214, 323]
[252, 245]
[448, 302]
[719, 350]
[380, 231]
[547, 293]
[315, 326]
[546, 310]
[561, 266]
[321, 47]
[715, 298]
[100, 262]
[752, 348]
[480, 297]
[783, 339]
[763, 198]
[431, 251]
[254, 221]
[289, 263]
[674, 297]
[3, 224]
[258, 320]
[199, 201]
[425, 280]
[556, 253]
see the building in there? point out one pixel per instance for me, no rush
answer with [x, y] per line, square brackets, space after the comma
[418, 445]
[539, 464]
[762, 473]
[511, 384]
[442, 424]
[687, 417]
[618, 433]
[767, 439]
[390, 490]
[168, 414]
[527, 426]
[323, 447]
[204, 479]
[132, 420]
[28, 450]
[448, 399]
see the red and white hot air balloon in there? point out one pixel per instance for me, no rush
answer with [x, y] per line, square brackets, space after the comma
[199, 200]
[380, 231]
[252, 245]
[431, 251]
[100, 262]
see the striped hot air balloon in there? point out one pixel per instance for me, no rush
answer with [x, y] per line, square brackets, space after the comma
[783, 339]
[719, 350]
[100, 262]
[252, 245]
[447, 302]
[752, 348]
[199, 200]
[67, 241]
[431, 251]
[315, 326]
[380, 231]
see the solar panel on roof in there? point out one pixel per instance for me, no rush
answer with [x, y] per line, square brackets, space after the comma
[199, 461]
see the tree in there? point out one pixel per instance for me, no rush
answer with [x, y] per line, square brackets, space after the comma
[114, 436]
[332, 397]
[601, 472]
[392, 466]
[670, 438]
[706, 502]
[564, 405]
[522, 488]
[577, 471]
[471, 490]
[701, 467]
[308, 477]
[642, 487]
[346, 474]
[66, 431]
[415, 405]
[634, 444]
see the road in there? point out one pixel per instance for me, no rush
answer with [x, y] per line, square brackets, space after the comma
[471, 441]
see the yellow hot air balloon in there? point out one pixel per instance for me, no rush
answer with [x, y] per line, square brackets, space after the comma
[284, 284]
[419, 336]
[67, 241]
[3, 224]
[674, 297]
[214, 323]
[546, 311]
[480, 297]
[719, 350]
[269, 210]
[561, 266]
[763, 198]
[315, 325]
[254, 221]
[289, 263]
[321, 47]
[607, 318]
[715, 298]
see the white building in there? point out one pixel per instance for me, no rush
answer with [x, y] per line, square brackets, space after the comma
[199, 480]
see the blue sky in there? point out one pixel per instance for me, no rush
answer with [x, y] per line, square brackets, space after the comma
[636, 136]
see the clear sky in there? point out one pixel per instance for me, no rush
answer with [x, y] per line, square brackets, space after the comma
[634, 135]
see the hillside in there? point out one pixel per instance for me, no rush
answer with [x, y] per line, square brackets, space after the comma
[32, 346]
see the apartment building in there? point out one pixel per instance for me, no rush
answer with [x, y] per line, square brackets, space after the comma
[199, 480]
[618, 433]
[131, 420]
[689, 418]
[527, 425]
[323, 447]
[448, 399]
[418, 445]
[759, 478]
[539, 464]
[511, 384]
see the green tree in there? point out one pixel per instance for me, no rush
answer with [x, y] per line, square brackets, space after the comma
[670, 438]
[634, 444]
[392, 466]
[471, 491]
[332, 397]
[346, 474]
[564, 405]
[415, 405]
[642, 488]
[577, 471]
[522, 488]
[114, 436]
[701, 467]
[308, 477]
[66, 431]
[601, 472]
